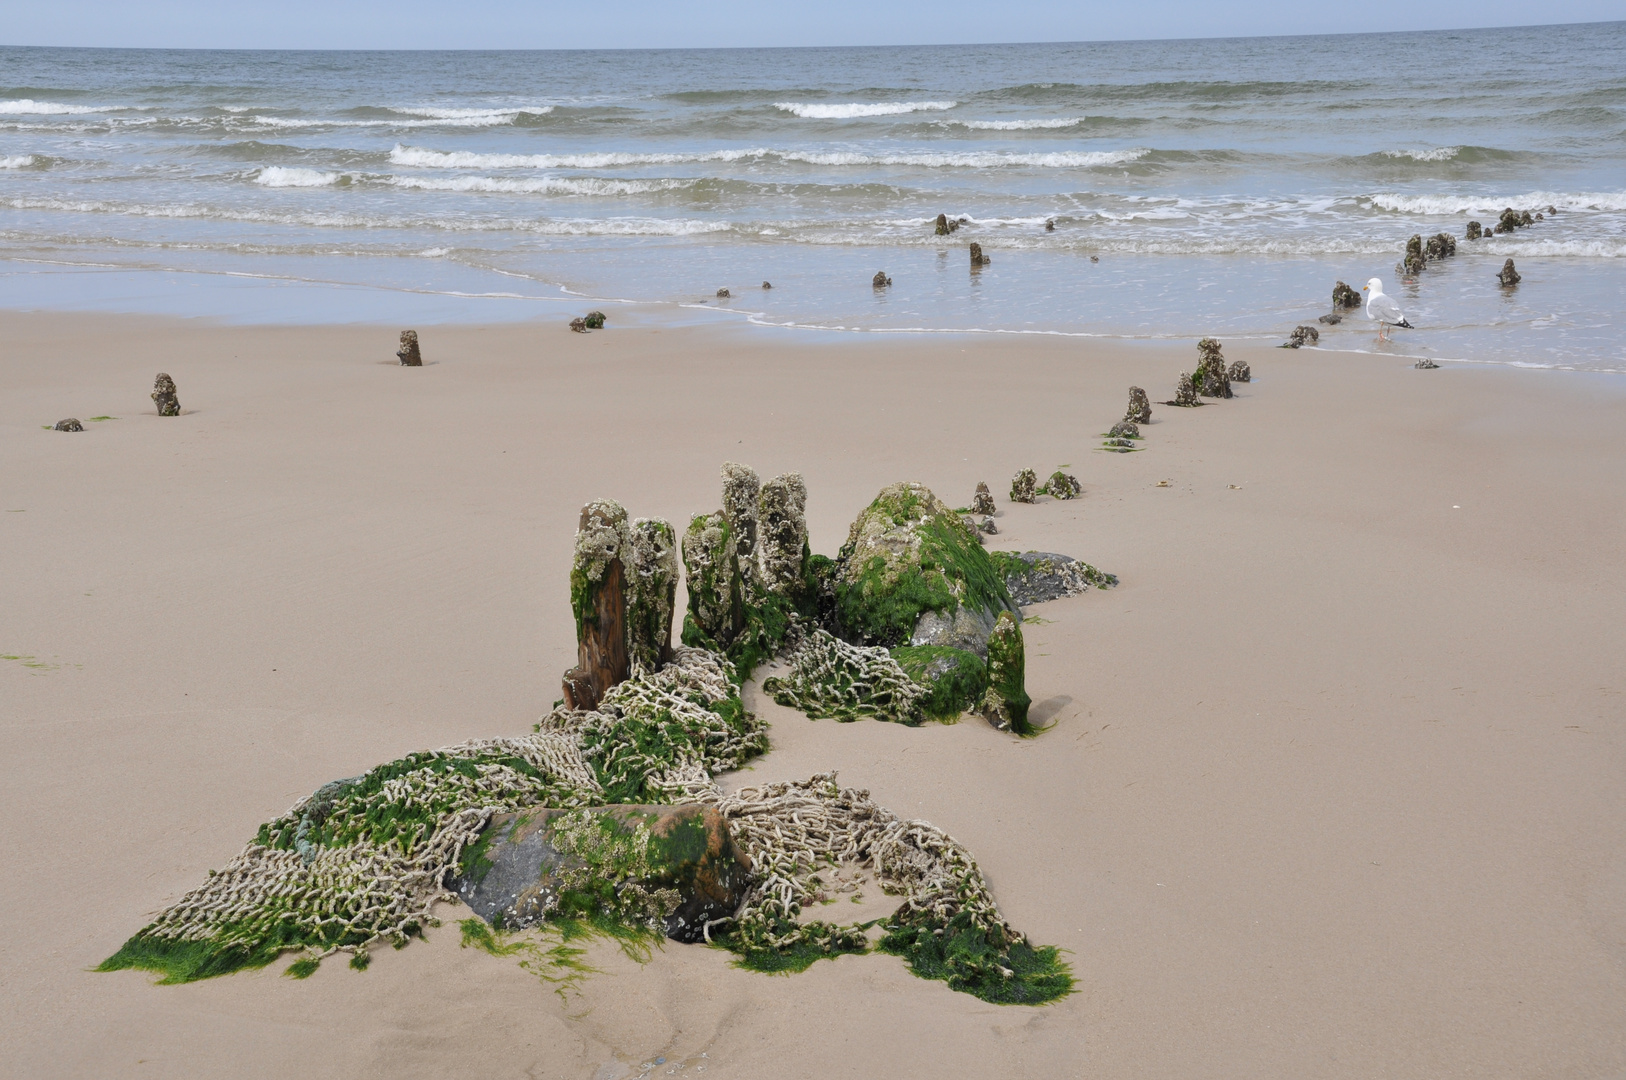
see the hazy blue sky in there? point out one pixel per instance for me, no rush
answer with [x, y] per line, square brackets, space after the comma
[517, 24]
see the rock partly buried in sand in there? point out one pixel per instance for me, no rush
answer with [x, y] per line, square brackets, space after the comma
[987, 527]
[1301, 336]
[723, 294]
[977, 257]
[1508, 276]
[1036, 577]
[911, 562]
[1331, 319]
[1140, 408]
[594, 320]
[578, 326]
[70, 424]
[1474, 230]
[1185, 392]
[408, 352]
[1124, 429]
[767, 284]
[1425, 364]
[880, 280]
[1344, 297]
[1062, 486]
[983, 501]
[1211, 378]
[674, 866]
[1023, 486]
[1005, 704]
[163, 395]
[1239, 371]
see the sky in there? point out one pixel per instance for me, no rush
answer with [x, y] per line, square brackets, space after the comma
[603, 24]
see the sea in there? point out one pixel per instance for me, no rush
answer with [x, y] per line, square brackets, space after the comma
[1158, 190]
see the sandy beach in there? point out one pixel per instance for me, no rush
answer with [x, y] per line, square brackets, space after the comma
[1333, 787]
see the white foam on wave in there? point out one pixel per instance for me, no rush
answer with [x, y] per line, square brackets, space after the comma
[1604, 201]
[1439, 153]
[17, 161]
[546, 185]
[282, 176]
[852, 110]
[504, 115]
[464, 159]
[29, 107]
[1020, 125]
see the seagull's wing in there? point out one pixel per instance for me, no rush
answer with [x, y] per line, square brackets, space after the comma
[1383, 308]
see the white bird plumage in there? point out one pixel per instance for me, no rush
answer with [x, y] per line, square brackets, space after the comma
[1382, 309]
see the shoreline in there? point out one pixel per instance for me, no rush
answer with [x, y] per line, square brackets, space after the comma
[1333, 785]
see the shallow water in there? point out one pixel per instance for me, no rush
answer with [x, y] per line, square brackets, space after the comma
[1222, 185]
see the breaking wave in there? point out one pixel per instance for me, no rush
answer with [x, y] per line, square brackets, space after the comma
[282, 176]
[464, 159]
[856, 109]
[29, 107]
[1020, 125]
[547, 185]
[17, 161]
[1494, 204]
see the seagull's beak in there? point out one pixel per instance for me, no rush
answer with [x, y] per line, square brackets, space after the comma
[1365, 288]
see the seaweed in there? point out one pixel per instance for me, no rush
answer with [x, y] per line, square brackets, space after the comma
[970, 960]
[955, 679]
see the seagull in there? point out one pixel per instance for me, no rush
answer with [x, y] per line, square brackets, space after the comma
[1382, 309]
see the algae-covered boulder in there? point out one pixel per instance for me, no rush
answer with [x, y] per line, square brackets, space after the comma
[1062, 486]
[909, 555]
[1034, 577]
[1005, 703]
[670, 868]
[955, 680]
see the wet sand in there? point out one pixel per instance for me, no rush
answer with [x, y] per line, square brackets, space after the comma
[1333, 787]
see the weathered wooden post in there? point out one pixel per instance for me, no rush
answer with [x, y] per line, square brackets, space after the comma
[598, 598]
[782, 543]
[652, 577]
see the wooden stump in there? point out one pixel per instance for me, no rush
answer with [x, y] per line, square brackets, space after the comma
[598, 598]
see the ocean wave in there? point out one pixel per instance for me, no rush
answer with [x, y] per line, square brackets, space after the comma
[17, 161]
[1439, 153]
[1020, 125]
[283, 176]
[426, 118]
[30, 107]
[1606, 201]
[547, 185]
[465, 159]
[856, 109]
[476, 114]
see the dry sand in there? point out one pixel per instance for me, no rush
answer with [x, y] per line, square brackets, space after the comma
[1334, 786]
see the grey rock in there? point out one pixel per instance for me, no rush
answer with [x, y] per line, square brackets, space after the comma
[1124, 429]
[1508, 276]
[963, 628]
[1344, 297]
[1331, 320]
[1239, 371]
[1301, 335]
[880, 281]
[70, 424]
[1474, 230]
[1425, 364]
[723, 294]
[578, 326]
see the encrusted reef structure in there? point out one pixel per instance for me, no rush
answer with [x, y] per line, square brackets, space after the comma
[1185, 392]
[1239, 371]
[1024, 486]
[978, 259]
[1062, 486]
[1301, 336]
[163, 395]
[880, 280]
[1508, 276]
[607, 817]
[1344, 297]
[1211, 378]
[1474, 230]
[408, 353]
[983, 501]
[70, 424]
[1140, 409]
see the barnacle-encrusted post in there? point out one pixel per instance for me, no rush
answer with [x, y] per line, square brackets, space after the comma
[1023, 486]
[1006, 703]
[782, 550]
[163, 393]
[1140, 409]
[741, 492]
[598, 599]
[715, 604]
[652, 576]
[1210, 377]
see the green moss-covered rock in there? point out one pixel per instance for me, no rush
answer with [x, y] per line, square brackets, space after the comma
[955, 679]
[667, 868]
[652, 577]
[1006, 701]
[908, 554]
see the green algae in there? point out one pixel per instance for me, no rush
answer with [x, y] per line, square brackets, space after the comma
[968, 958]
[955, 679]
